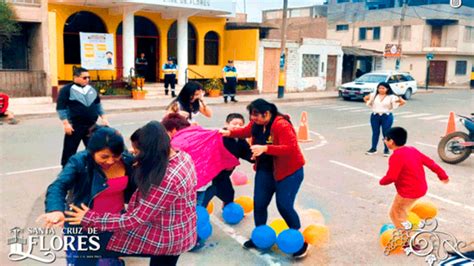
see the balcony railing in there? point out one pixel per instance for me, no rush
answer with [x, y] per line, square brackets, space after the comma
[444, 43]
[24, 2]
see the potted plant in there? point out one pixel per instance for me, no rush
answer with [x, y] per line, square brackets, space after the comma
[138, 93]
[213, 87]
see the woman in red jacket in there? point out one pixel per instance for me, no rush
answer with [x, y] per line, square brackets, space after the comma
[279, 163]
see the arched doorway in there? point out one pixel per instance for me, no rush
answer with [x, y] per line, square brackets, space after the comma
[173, 42]
[83, 21]
[146, 41]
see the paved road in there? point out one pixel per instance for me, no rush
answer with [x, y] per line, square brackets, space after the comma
[340, 181]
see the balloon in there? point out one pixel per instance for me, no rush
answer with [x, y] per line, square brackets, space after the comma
[425, 210]
[385, 240]
[413, 219]
[278, 225]
[204, 231]
[263, 237]
[233, 213]
[290, 241]
[386, 227]
[316, 234]
[246, 202]
[311, 216]
[202, 215]
[238, 178]
[210, 207]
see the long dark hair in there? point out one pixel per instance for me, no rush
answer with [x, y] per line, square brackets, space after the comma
[152, 160]
[261, 106]
[386, 85]
[185, 95]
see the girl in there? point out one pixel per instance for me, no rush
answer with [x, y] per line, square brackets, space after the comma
[189, 102]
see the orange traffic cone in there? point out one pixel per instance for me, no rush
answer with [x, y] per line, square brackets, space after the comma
[451, 124]
[303, 130]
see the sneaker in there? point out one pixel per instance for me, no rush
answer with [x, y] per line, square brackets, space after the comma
[386, 154]
[302, 252]
[371, 152]
[234, 100]
[199, 245]
[249, 244]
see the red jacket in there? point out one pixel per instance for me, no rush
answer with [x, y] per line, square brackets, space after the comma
[406, 171]
[287, 156]
[3, 103]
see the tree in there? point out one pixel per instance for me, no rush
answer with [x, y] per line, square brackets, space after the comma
[8, 26]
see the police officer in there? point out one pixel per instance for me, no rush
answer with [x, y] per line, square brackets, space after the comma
[170, 69]
[230, 81]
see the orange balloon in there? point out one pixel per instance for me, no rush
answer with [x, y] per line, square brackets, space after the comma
[312, 216]
[210, 207]
[316, 234]
[385, 240]
[425, 210]
[246, 202]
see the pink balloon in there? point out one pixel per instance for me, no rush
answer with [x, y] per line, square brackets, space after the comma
[239, 178]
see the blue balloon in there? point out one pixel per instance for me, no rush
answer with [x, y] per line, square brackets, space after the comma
[263, 237]
[290, 241]
[202, 215]
[386, 227]
[233, 213]
[204, 231]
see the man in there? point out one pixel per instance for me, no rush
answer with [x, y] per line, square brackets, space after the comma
[4, 112]
[78, 108]
[170, 69]
[230, 81]
[141, 65]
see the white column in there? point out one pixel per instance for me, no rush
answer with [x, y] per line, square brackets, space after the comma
[182, 48]
[128, 42]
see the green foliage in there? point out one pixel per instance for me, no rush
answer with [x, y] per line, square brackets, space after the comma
[8, 26]
[243, 87]
[213, 84]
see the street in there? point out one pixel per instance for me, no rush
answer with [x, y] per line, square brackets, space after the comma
[341, 182]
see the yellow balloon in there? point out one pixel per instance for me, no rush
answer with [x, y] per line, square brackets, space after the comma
[246, 202]
[210, 207]
[316, 234]
[278, 225]
[413, 219]
[425, 210]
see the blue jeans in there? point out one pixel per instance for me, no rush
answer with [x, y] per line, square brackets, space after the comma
[285, 190]
[376, 121]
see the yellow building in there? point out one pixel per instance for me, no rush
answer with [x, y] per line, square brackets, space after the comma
[194, 32]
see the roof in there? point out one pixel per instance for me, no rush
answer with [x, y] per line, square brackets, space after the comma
[249, 25]
[357, 51]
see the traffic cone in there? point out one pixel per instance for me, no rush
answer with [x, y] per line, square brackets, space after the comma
[451, 124]
[303, 130]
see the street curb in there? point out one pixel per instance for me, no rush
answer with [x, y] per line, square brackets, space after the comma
[163, 107]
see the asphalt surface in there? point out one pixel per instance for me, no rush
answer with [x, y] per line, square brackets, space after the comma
[340, 180]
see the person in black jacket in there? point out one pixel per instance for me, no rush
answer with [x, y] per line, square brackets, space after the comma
[78, 107]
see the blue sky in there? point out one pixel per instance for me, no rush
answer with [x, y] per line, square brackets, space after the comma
[255, 7]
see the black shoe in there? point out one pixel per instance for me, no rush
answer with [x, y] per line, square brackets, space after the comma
[166, 92]
[302, 252]
[225, 100]
[249, 244]
[234, 100]
[371, 152]
[173, 95]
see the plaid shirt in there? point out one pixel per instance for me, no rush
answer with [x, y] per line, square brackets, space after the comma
[163, 223]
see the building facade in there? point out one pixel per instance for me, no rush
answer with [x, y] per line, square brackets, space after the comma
[429, 27]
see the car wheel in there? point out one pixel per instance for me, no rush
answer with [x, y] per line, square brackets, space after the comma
[346, 98]
[407, 94]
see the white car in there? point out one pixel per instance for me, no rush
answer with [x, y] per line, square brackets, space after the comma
[401, 83]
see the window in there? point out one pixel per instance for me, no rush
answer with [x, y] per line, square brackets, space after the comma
[82, 21]
[461, 68]
[342, 27]
[211, 48]
[371, 33]
[15, 54]
[469, 34]
[310, 65]
[173, 44]
[406, 33]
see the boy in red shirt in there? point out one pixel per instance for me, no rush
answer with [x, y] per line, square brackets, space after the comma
[406, 171]
[4, 113]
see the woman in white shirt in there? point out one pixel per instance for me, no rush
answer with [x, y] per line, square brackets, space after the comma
[382, 103]
[189, 102]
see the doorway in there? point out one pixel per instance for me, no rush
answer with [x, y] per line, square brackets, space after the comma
[148, 46]
[437, 73]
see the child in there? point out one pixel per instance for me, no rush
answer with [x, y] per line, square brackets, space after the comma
[4, 110]
[406, 171]
[221, 184]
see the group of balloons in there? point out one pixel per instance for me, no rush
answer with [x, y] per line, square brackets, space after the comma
[422, 210]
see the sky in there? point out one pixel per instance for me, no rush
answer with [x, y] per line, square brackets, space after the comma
[255, 7]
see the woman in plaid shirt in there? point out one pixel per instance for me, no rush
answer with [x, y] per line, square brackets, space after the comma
[161, 216]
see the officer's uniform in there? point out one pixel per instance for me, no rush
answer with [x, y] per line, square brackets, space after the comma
[170, 77]
[230, 73]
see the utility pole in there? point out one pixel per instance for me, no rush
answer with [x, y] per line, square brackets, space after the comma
[400, 35]
[281, 77]
[245, 7]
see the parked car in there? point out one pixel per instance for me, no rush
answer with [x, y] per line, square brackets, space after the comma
[401, 83]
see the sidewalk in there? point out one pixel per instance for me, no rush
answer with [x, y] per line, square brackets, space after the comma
[26, 108]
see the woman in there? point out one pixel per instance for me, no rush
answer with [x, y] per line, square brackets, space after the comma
[98, 176]
[189, 102]
[160, 220]
[382, 103]
[279, 164]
